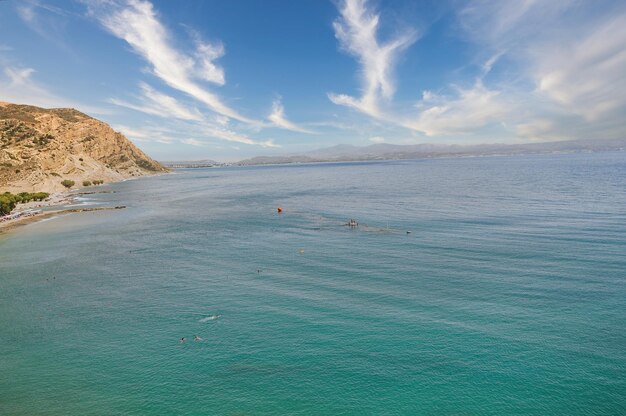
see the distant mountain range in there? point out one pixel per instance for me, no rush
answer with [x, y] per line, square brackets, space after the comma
[346, 153]
[182, 164]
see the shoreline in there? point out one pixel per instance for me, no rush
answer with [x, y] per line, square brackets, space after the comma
[59, 199]
[54, 200]
[8, 226]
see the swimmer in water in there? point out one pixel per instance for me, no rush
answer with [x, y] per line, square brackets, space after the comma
[197, 338]
[183, 340]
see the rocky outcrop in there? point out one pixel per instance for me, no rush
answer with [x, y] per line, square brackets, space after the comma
[40, 147]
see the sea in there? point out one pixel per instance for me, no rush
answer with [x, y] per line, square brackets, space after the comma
[471, 286]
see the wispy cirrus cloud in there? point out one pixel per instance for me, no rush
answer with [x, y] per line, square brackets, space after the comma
[137, 23]
[587, 74]
[193, 142]
[572, 52]
[206, 54]
[17, 85]
[145, 134]
[182, 131]
[278, 118]
[565, 71]
[466, 111]
[156, 103]
[357, 32]
[47, 20]
[232, 136]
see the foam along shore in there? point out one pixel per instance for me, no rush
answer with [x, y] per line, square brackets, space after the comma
[37, 215]
[32, 211]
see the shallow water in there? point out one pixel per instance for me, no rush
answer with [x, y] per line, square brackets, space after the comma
[507, 297]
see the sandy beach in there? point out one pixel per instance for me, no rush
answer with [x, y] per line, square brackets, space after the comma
[55, 200]
[9, 225]
[12, 224]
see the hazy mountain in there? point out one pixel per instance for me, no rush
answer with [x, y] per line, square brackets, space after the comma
[420, 151]
[205, 163]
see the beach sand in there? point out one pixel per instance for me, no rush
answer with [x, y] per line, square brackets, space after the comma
[10, 225]
[55, 200]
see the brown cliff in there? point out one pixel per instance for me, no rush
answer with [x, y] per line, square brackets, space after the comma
[41, 147]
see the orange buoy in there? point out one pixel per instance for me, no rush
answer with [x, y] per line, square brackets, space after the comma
[280, 210]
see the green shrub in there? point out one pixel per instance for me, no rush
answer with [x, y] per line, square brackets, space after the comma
[40, 196]
[86, 183]
[7, 204]
[67, 183]
[8, 201]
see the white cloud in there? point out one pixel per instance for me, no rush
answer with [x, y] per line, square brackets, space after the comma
[188, 133]
[357, 32]
[159, 104]
[468, 111]
[510, 24]
[573, 52]
[146, 134]
[193, 142]
[26, 12]
[232, 136]
[537, 129]
[205, 54]
[278, 118]
[137, 23]
[48, 21]
[18, 86]
[377, 139]
[587, 75]
[19, 76]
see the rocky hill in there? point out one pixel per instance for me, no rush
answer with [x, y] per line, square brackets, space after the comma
[40, 147]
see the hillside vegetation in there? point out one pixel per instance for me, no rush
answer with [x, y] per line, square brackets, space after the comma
[40, 148]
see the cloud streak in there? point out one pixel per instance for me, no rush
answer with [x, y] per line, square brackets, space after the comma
[137, 23]
[469, 110]
[572, 52]
[587, 75]
[565, 73]
[18, 86]
[192, 134]
[277, 117]
[357, 33]
[156, 103]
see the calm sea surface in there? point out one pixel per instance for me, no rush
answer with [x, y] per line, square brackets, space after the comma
[508, 296]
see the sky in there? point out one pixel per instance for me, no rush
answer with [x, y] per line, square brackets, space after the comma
[230, 79]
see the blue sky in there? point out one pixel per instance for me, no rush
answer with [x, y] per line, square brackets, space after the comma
[231, 79]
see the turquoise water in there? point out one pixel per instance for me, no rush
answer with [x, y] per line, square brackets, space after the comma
[507, 297]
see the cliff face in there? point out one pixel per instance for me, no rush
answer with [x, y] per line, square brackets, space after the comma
[41, 147]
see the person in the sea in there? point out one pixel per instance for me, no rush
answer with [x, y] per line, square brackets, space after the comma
[197, 338]
[183, 339]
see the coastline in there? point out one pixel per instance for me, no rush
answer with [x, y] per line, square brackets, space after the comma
[8, 226]
[56, 200]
